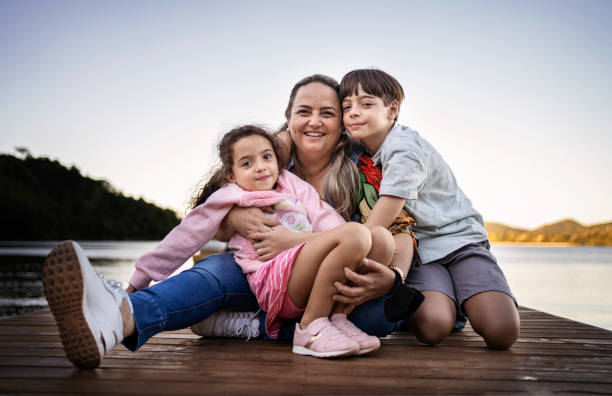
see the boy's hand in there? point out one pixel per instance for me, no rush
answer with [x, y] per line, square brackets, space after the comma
[373, 281]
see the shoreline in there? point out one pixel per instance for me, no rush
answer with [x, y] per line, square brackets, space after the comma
[558, 244]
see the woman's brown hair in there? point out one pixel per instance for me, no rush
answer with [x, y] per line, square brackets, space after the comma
[225, 150]
[343, 178]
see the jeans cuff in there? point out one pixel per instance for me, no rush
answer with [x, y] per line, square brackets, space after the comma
[149, 319]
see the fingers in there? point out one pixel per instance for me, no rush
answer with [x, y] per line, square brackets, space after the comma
[372, 265]
[270, 221]
[356, 278]
[349, 291]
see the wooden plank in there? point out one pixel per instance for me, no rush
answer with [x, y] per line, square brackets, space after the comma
[553, 355]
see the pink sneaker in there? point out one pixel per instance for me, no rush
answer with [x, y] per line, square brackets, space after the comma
[367, 343]
[321, 339]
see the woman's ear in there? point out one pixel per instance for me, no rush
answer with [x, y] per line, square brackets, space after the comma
[393, 110]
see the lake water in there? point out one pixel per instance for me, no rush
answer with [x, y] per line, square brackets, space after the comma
[573, 282]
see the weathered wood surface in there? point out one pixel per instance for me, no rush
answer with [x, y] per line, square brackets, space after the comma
[552, 356]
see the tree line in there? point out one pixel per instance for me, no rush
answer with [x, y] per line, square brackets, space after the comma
[41, 199]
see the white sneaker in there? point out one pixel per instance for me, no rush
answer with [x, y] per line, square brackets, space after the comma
[85, 306]
[229, 324]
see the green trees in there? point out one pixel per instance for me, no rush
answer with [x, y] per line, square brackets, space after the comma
[40, 199]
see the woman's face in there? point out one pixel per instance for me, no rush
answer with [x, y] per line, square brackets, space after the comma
[315, 120]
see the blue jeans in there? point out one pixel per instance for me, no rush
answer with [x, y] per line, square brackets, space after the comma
[215, 283]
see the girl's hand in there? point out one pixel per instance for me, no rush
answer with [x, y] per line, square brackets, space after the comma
[277, 239]
[373, 281]
[248, 221]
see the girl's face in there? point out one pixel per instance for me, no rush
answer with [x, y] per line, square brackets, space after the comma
[255, 165]
[315, 121]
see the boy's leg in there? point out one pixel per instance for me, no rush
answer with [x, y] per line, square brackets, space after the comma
[434, 319]
[494, 316]
[178, 302]
[485, 295]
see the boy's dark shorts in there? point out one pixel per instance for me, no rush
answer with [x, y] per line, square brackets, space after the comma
[460, 275]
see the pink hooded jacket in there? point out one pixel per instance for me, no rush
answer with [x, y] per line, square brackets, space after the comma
[201, 224]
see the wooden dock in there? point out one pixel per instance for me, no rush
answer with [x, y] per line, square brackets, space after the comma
[552, 356]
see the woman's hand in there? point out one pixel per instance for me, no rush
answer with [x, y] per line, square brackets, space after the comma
[246, 221]
[277, 239]
[372, 281]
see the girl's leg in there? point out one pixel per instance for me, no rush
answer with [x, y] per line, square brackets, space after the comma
[214, 283]
[320, 263]
[494, 316]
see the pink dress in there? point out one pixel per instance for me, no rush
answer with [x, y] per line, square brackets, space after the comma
[201, 224]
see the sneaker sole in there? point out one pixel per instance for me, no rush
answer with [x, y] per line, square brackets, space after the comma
[309, 352]
[364, 351]
[63, 286]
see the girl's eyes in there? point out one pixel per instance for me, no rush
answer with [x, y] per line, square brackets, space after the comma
[267, 156]
[245, 164]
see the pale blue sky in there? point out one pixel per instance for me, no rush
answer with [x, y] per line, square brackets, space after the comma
[515, 95]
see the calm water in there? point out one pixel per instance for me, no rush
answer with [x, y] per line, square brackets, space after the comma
[572, 282]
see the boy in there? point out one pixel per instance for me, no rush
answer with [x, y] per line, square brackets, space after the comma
[453, 243]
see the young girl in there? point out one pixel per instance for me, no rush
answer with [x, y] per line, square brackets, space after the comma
[298, 280]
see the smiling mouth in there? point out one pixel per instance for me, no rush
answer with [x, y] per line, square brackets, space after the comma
[314, 134]
[356, 125]
[262, 178]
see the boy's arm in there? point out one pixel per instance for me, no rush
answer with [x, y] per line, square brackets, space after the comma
[386, 209]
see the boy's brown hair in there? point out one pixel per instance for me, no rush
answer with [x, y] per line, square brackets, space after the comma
[374, 82]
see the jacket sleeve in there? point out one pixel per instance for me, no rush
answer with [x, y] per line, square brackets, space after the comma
[196, 229]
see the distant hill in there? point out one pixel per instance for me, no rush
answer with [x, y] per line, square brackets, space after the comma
[41, 199]
[564, 231]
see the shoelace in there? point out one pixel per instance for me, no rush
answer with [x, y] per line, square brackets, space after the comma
[118, 288]
[240, 325]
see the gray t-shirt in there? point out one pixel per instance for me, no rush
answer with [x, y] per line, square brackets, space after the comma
[414, 170]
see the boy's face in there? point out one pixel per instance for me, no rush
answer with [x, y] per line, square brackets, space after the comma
[367, 118]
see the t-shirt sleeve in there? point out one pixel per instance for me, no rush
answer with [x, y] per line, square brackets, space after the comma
[403, 171]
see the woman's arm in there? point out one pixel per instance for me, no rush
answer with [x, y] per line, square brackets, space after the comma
[246, 221]
[374, 279]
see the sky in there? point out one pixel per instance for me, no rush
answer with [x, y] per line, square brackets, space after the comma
[516, 96]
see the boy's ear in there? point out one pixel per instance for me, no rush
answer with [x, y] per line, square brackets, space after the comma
[393, 110]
